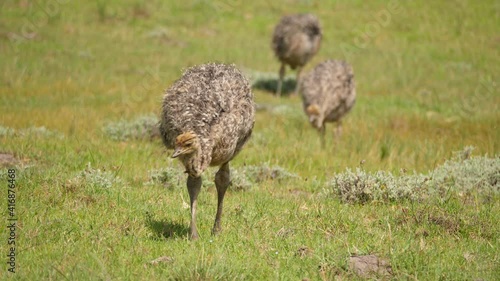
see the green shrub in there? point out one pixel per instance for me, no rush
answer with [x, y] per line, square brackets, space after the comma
[464, 173]
[461, 174]
[240, 181]
[143, 127]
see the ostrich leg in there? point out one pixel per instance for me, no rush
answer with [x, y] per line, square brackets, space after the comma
[222, 180]
[338, 129]
[280, 80]
[322, 136]
[194, 187]
[297, 80]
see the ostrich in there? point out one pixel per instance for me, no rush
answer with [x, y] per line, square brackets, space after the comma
[207, 117]
[296, 40]
[328, 93]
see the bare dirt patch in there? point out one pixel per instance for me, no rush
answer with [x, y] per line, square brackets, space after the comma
[370, 266]
[8, 160]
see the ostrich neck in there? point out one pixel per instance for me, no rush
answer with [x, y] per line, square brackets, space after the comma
[192, 162]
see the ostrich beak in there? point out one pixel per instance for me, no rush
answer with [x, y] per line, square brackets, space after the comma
[177, 152]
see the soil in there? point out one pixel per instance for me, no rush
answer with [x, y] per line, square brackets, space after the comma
[8, 160]
[370, 266]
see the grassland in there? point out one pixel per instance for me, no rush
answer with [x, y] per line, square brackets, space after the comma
[87, 209]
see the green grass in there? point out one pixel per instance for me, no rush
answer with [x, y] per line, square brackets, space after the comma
[427, 86]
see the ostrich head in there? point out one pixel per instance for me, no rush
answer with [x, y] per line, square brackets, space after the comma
[315, 116]
[186, 144]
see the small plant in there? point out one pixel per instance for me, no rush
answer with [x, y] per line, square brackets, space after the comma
[6, 131]
[31, 131]
[99, 179]
[354, 187]
[40, 131]
[143, 127]
[462, 174]
[465, 173]
[168, 177]
[245, 178]
[361, 187]
[240, 181]
[264, 172]
[95, 179]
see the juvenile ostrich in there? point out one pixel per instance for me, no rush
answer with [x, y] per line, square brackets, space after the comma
[328, 93]
[296, 40]
[207, 116]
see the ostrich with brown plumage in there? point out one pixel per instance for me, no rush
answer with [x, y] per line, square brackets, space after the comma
[296, 39]
[328, 94]
[207, 117]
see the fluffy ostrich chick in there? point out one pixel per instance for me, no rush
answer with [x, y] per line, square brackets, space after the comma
[207, 117]
[296, 39]
[328, 94]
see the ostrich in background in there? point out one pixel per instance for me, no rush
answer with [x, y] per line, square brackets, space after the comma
[328, 94]
[296, 40]
[207, 117]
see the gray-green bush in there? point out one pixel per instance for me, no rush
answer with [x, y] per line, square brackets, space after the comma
[461, 174]
[143, 127]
